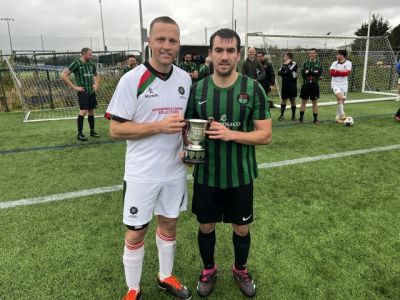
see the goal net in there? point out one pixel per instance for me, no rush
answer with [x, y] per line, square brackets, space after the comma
[373, 77]
[44, 95]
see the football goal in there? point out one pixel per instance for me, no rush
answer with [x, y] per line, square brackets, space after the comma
[373, 77]
[44, 96]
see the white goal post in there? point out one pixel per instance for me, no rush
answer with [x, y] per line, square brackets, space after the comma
[45, 97]
[372, 79]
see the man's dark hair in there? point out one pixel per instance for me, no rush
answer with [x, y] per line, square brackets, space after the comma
[313, 49]
[85, 50]
[225, 34]
[163, 19]
[342, 52]
[261, 52]
[289, 54]
[187, 53]
[130, 55]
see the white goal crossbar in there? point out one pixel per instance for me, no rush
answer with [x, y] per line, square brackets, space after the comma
[373, 78]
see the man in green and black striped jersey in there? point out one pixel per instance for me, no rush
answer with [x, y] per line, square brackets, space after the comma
[206, 69]
[311, 72]
[86, 84]
[131, 63]
[223, 186]
[189, 66]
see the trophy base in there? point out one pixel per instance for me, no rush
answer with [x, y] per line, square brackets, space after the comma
[194, 156]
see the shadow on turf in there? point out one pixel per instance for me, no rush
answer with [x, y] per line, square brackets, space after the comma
[297, 123]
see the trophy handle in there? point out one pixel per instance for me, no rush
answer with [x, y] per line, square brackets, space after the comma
[187, 128]
[210, 120]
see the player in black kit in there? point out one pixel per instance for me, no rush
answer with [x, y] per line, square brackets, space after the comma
[288, 71]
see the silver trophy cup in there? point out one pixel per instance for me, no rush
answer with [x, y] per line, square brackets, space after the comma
[195, 153]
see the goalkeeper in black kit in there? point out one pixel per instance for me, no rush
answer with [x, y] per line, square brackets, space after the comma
[288, 72]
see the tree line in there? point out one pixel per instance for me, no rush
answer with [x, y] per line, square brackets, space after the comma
[381, 27]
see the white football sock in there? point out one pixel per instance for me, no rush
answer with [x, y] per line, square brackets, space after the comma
[341, 108]
[133, 261]
[166, 252]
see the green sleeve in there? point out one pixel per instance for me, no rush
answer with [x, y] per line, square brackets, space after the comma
[73, 66]
[204, 71]
[260, 108]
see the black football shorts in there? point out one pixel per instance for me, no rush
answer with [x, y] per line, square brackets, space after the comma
[212, 205]
[87, 101]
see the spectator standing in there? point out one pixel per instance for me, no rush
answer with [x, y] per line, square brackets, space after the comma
[251, 67]
[288, 72]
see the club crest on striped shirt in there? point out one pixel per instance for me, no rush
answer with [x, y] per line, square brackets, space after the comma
[243, 98]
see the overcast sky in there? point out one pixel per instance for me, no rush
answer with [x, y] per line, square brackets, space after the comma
[73, 22]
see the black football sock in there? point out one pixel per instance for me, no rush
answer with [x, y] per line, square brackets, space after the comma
[283, 107]
[293, 107]
[241, 245]
[80, 123]
[206, 243]
[301, 115]
[91, 122]
[315, 116]
[270, 104]
[398, 113]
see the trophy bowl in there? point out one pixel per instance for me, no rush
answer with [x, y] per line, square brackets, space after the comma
[195, 153]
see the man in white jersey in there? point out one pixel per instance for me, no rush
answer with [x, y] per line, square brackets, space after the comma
[340, 70]
[147, 110]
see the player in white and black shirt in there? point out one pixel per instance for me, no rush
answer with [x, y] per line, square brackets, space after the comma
[147, 111]
[340, 71]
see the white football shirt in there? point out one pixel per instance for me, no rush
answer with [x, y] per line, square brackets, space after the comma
[340, 81]
[143, 96]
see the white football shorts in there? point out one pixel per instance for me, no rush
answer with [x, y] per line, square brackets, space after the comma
[340, 89]
[142, 200]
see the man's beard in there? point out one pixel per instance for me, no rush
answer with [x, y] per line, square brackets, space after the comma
[227, 73]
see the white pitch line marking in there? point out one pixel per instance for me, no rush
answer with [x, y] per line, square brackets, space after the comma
[326, 156]
[116, 188]
[59, 197]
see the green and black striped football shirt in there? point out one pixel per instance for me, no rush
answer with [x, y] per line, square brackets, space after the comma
[228, 164]
[84, 73]
[204, 71]
[189, 68]
[314, 69]
[127, 69]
